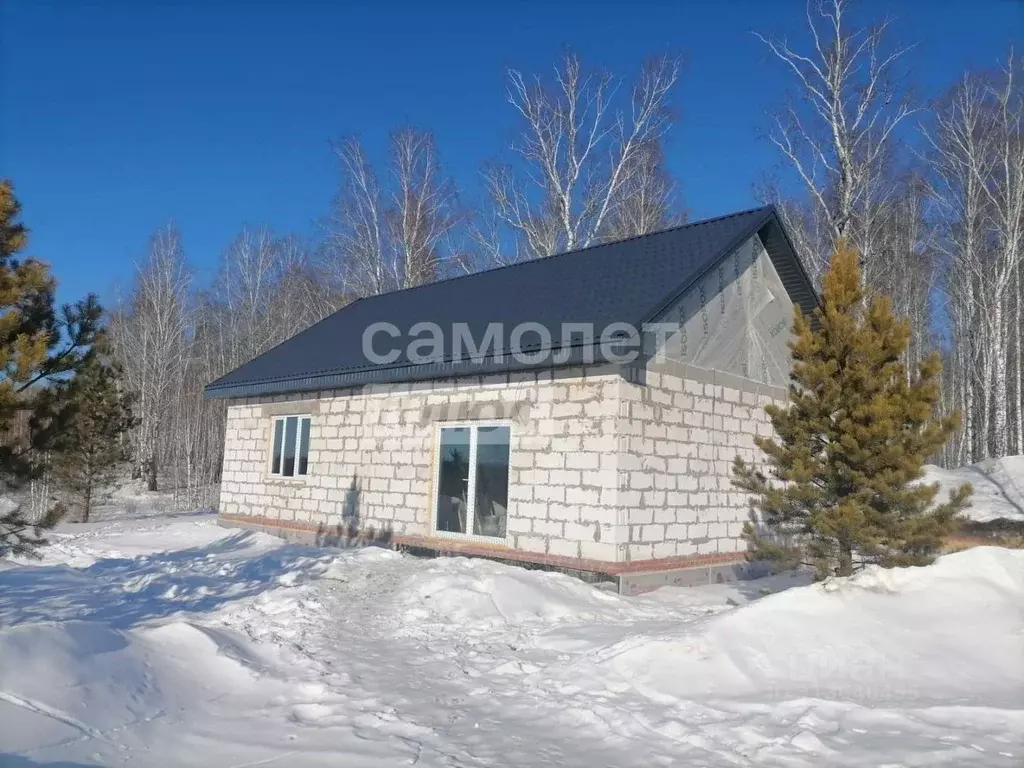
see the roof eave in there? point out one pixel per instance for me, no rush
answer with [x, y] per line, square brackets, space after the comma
[557, 358]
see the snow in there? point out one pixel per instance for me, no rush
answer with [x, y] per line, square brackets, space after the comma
[998, 487]
[872, 639]
[172, 641]
[129, 498]
[479, 593]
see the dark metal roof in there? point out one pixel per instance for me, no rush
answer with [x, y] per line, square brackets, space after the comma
[628, 281]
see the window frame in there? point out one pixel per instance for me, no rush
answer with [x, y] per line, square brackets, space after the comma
[473, 427]
[297, 444]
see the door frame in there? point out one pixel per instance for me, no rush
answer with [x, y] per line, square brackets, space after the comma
[473, 426]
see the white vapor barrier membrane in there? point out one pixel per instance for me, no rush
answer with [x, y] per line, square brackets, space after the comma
[736, 319]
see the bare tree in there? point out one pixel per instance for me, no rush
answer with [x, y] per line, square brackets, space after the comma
[150, 341]
[389, 240]
[172, 340]
[1017, 362]
[908, 263]
[582, 157]
[804, 222]
[977, 161]
[1007, 203]
[961, 164]
[837, 130]
[247, 294]
[487, 233]
[648, 198]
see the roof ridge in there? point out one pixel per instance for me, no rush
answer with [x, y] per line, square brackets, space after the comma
[676, 228]
[500, 267]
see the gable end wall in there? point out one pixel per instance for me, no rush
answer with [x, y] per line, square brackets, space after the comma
[680, 431]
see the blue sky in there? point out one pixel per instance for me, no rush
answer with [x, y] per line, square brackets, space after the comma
[116, 116]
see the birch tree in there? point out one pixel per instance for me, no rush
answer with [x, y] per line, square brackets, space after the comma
[908, 262]
[977, 160]
[149, 338]
[247, 295]
[173, 339]
[649, 199]
[838, 127]
[961, 163]
[582, 155]
[1006, 196]
[392, 235]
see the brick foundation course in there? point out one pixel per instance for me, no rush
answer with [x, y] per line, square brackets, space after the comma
[443, 546]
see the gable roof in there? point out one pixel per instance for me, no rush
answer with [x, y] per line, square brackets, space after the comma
[629, 281]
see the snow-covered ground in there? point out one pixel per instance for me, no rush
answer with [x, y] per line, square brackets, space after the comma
[998, 487]
[128, 498]
[171, 641]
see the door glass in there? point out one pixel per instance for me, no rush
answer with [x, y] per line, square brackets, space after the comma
[491, 510]
[288, 464]
[303, 446]
[453, 480]
[275, 464]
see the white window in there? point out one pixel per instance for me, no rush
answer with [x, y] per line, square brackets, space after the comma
[471, 480]
[290, 455]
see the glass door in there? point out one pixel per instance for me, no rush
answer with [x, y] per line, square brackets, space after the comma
[452, 513]
[490, 493]
[472, 480]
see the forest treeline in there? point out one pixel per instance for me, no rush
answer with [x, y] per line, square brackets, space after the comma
[927, 187]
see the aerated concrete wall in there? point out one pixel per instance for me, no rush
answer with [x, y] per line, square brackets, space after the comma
[680, 431]
[372, 459]
[610, 468]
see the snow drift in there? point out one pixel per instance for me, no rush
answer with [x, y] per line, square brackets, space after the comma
[950, 633]
[176, 642]
[75, 680]
[998, 487]
[461, 591]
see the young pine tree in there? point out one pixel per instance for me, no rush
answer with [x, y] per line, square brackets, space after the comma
[90, 448]
[39, 350]
[851, 444]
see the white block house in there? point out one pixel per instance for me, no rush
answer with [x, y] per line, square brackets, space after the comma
[580, 411]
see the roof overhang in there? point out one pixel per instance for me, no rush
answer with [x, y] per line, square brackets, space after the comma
[768, 227]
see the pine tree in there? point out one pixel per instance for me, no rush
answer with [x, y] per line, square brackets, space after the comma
[90, 448]
[851, 445]
[39, 350]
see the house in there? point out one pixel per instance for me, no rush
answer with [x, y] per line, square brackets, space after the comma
[580, 411]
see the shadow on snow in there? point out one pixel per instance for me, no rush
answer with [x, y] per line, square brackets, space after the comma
[124, 592]
[17, 761]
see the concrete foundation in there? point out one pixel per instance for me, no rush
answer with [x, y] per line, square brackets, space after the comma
[638, 582]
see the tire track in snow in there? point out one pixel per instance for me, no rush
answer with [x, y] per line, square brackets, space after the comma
[45, 710]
